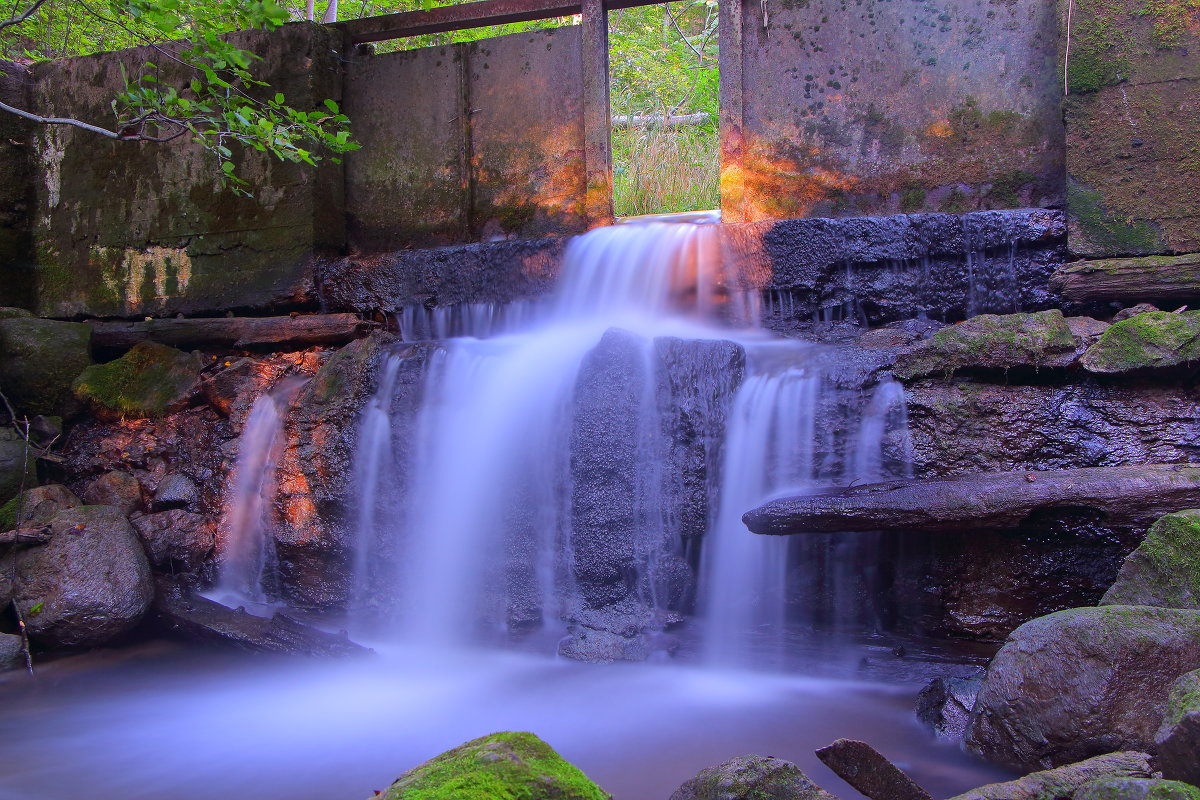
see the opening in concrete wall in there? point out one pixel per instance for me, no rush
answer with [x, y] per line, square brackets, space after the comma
[664, 75]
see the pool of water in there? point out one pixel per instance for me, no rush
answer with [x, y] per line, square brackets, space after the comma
[163, 721]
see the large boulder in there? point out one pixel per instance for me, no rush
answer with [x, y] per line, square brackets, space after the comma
[502, 765]
[992, 341]
[39, 358]
[1164, 570]
[746, 777]
[12, 652]
[151, 380]
[1178, 739]
[1155, 339]
[1082, 682]
[1136, 789]
[88, 584]
[36, 506]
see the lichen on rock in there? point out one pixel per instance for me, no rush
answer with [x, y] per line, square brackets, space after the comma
[992, 341]
[501, 766]
[1165, 568]
[1155, 339]
[151, 380]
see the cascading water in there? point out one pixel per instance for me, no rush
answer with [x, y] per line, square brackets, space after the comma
[247, 573]
[542, 483]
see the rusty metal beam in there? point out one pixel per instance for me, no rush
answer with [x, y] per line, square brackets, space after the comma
[468, 15]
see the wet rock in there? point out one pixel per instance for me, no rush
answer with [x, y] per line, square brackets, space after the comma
[115, 488]
[1063, 782]
[1178, 740]
[1164, 570]
[39, 359]
[198, 619]
[175, 490]
[1080, 682]
[868, 771]
[176, 540]
[151, 380]
[945, 705]
[312, 537]
[886, 338]
[605, 441]
[12, 652]
[751, 776]
[599, 646]
[1153, 340]
[90, 583]
[962, 427]
[1133, 311]
[18, 470]
[517, 765]
[1136, 789]
[223, 389]
[995, 342]
[36, 506]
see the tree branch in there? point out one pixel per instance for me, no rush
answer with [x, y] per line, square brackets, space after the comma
[28, 13]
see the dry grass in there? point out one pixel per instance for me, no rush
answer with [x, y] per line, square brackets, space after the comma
[660, 170]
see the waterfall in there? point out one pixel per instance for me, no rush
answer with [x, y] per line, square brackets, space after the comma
[576, 469]
[248, 566]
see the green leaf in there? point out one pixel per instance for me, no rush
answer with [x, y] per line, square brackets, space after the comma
[331, 105]
[36, 608]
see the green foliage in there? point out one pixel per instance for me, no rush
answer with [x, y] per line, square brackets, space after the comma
[201, 83]
[662, 170]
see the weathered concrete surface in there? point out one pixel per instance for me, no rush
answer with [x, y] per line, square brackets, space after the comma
[883, 107]
[131, 229]
[964, 427]
[1131, 115]
[1125, 497]
[467, 142]
[527, 142]
[16, 190]
[409, 184]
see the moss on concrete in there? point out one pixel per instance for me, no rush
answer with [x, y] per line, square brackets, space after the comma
[1103, 231]
[1165, 568]
[501, 766]
[992, 341]
[1153, 339]
[149, 381]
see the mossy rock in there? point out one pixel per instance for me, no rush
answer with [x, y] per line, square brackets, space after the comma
[1165, 568]
[1112, 788]
[992, 341]
[751, 778]
[149, 381]
[502, 766]
[39, 358]
[8, 312]
[1152, 340]
[36, 506]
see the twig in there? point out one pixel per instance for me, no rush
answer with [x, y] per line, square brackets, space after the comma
[1067, 49]
[18, 20]
[24, 638]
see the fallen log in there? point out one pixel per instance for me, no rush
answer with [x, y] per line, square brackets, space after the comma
[202, 620]
[25, 536]
[1062, 782]
[868, 771]
[641, 121]
[302, 330]
[1146, 278]
[1129, 497]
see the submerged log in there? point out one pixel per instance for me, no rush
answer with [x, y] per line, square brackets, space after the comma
[1146, 278]
[203, 620]
[868, 771]
[234, 332]
[1124, 497]
[1061, 783]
